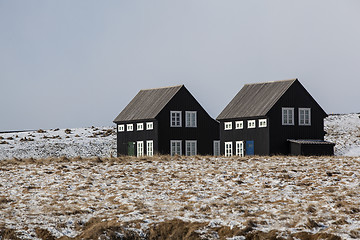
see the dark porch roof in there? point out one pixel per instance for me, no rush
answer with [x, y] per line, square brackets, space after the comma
[255, 100]
[310, 141]
[147, 104]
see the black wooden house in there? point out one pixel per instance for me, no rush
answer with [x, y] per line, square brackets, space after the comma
[271, 118]
[166, 121]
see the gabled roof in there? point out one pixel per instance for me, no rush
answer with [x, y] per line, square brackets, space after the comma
[147, 104]
[255, 100]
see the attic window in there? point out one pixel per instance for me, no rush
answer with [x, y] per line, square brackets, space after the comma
[140, 126]
[190, 118]
[251, 123]
[262, 123]
[304, 116]
[287, 116]
[149, 126]
[121, 128]
[175, 118]
[129, 127]
[228, 125]
[239, 125]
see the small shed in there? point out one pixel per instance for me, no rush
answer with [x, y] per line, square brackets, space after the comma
[309, 147]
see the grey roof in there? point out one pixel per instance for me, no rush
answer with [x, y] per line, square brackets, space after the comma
[310, 141]
[147, 104]
[255, 100]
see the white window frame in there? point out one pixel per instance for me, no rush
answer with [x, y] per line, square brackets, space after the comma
[239, 148]
[239, 124]
[251, 123]
[140, 126]
[191, 147]
[262, 123]
[150, 148]
[216, 148]
[191, 119]
[228, 149]
[177, 144]
[129, 127]
[302, 117]
[139, 148]
[149, 126]
[121, 128]
[176, 116]
[285, 116]
[227, 125]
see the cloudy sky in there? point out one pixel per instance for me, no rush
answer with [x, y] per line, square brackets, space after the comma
[78, 63]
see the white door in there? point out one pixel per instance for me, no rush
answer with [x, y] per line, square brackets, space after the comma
[217, 148]
[140, 148]
[150, 148]
[240, 148]
[228, 149]
[175, 147]
[191, 148]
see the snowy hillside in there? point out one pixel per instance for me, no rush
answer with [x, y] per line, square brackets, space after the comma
[344, 130]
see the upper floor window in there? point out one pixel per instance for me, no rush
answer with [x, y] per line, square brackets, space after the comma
[251, 123]
[129, 127]
[191, 119]
[262, 123]
[239, 125]
[304, 116]
[287, 116]
[149, 126]
[175, 118]
[140, 126]
[121, 128]
[228, 125]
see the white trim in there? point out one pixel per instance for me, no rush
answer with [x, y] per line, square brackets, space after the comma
[175, 147]
[140, 126]
[149, 126]
[175, 119]
[191, 119]
[121, 128]
[150, 148]
[216, 148]
[190, 147]
[239, 149]
[302, 117]
[228, 149]
[139, 148]
[251, 123]
[239, 124]
[285, 114]
[129, 127]
[227, 125]
[262, 123]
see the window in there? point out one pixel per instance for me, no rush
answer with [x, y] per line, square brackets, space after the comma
[191, 119]
[149, 126]
[191, 148]
[305, 116]
[240, 148]
[262, 123]
[150, 148]
[175, 118]
[228, 149]
[121, 128]
[217, 148]
[140, 126]
[239, 125]
[140, 148]
[175, 147]
[251, 123]
[287, 116]
[228, 125]
[129, 127]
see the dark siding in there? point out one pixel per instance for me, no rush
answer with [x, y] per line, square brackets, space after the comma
[124, 137]
[311, 149]
[260, 136]
[296, 97]
[205, 133]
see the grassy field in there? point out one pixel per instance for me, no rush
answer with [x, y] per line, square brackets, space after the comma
[180, 197]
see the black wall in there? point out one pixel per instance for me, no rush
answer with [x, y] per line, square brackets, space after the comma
[260, 136]
[205, 133]
[296, 97]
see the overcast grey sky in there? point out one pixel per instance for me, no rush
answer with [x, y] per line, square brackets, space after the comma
[79, 63]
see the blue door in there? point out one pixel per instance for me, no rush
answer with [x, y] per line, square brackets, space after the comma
[249, 148]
